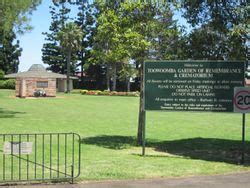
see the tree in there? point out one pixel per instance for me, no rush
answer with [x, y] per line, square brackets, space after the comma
[52, 53]
[85, 20]
[14, 15]
[10, 52]
[166, 36]
[96, 74]
[200, 48]
[128, 72]
[143, 28]
[109, 44]
[219, 28]
[70, 37]
[1, 74]
[153, 31]
[14, 18]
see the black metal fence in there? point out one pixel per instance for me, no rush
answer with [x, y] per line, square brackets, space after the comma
[38, 157]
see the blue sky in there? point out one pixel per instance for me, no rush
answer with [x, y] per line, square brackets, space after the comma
[32, 41]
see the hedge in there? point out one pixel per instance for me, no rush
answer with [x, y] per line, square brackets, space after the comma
[109, 93]
[8, 84]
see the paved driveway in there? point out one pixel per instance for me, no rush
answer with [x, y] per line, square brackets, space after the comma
[239, 180]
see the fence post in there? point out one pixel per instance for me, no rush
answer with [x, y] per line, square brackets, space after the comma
[72, 174]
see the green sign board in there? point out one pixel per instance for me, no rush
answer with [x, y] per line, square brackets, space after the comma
[192, 85]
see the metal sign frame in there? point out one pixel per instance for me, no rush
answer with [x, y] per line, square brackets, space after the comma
[242, 74]
[187, 61]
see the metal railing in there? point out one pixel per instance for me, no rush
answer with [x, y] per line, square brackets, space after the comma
[39, 157]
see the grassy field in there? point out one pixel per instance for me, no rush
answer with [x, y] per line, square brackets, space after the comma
[178, 144]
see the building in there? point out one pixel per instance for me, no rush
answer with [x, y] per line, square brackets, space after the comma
[37, 79]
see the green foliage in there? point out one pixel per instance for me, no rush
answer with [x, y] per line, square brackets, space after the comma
[70, 37]
[127, 71]
[83, 91]
[1, 73]
[108, 47]
[52, 53]
[220, 29]
[129, 30]
[86, 18]
[10, 53]
[109, 93]
[2, 84]
[15, 14]
[221, 15]
[8, 84]
[14, 17]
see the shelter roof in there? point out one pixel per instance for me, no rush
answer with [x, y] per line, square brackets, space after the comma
[36, 71]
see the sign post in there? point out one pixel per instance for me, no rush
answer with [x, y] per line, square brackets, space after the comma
[144, 135]
[243, 138]
[203, 86]
[242, 105]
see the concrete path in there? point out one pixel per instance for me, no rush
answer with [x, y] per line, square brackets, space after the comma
[239, 180]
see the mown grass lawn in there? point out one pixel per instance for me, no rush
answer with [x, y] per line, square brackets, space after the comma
[178, 143]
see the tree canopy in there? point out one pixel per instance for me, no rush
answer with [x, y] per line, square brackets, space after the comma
[16, 14]
[70, 37]
[14, 18]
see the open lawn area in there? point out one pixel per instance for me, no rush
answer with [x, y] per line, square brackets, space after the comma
[178, 143]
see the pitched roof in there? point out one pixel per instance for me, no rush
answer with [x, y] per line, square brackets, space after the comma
[36, 71]
[37, 67]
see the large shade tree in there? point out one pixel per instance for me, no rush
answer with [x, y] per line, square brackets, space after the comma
[109, 48]
[70, 37]
[133, 30]
[152, 27]
[86, 18]
[51, 52]
[16, 14]
[10, 52]
[220, 28]
[14, 18]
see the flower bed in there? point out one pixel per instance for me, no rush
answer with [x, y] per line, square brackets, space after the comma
[109, 93]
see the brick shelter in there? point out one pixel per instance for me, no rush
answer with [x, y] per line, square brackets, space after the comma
[38, 79]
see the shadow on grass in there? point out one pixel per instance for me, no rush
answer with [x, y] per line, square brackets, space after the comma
[8, 114]
[209, 149]
[111, 142]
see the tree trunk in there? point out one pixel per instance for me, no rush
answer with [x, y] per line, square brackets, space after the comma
[114, 78]
[141, 119]
[128, 84]
[68, 70]
[108, 78]
[82, 63]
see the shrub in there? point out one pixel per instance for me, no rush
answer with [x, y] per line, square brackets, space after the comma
[98, 92]
[121, 94]
[1, 84]
[92, 92]
[136, 94]
[1, 73]
[106, 92]
[83, 91]
[110, 93]
[113, 93]
[8, 84]
[75, 91]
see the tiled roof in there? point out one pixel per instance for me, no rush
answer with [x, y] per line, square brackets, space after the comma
[36, 71]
